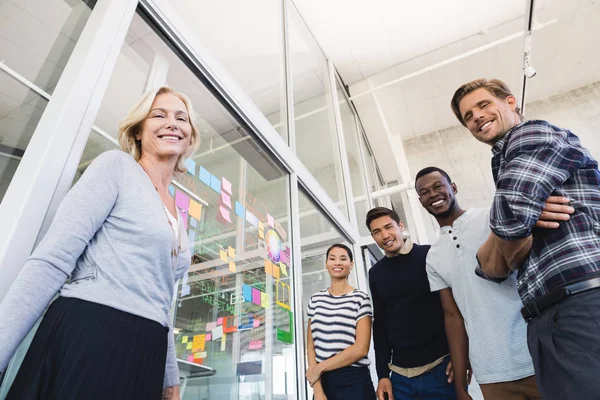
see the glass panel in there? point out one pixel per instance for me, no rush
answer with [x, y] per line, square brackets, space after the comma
[566, 88]
[317, 233]
[316, 138]
[36, 40]
[249, 43]
[38, 36]
[233, 318]
[20, 112]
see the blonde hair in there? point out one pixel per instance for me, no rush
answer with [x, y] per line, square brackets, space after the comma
[131, 126]
[496, 87]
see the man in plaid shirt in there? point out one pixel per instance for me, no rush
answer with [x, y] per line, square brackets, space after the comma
[558, 269]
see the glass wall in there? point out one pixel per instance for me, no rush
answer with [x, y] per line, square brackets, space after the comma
[36, 41]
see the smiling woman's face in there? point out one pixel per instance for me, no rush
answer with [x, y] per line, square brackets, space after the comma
[338, 263]
[166, 131]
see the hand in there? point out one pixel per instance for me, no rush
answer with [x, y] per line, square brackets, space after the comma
[171, 393]
[556, 209]
[450, 372]
[313, 374]
[469, 374]
[384, 386]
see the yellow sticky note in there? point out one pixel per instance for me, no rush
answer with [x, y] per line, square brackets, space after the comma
[195, 209]
[189, 346]
[264, 300]
[275, 271]
[261, 234]
[261, 227]
[231, 252]
[184, 339]
[268, 267]
[232, 266]
[223, 255]
[201, 354]
[199, 342]
[223, 342]
[283, 268]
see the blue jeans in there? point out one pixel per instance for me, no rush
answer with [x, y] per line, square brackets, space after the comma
[432, 385]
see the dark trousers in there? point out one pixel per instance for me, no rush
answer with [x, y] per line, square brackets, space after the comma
[564, 342]
[348, 383]
[432, 385]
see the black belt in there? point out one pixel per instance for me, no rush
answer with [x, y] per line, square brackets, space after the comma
[535, 307]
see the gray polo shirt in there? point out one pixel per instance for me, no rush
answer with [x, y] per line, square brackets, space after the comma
[497, 333]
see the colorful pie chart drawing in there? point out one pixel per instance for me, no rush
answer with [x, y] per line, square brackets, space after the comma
[273, 242]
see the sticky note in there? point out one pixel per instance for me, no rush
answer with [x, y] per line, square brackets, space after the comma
[192, 237]
[268, 267]
[255, 344]
[256, 296]
[219, 321]
[190, 165]
[208, 337]
[223, 215]
[232, 267]
[191, 358]
[210, 326]
[283, 268]
[264, 300]
[204, 176]
[189, 346]
[247, 293]
[231, 252]
[222, 255]
[251, 218]
[225, 199]
[185, 290]
[182, 201]
[184, 218]
[261, 234]
[199, 342]
[275, 271]
[193, 222]
[172, 190]
[184, 339]
[217, 332]
[240, 210]
[256, 323]
[195, 209]
[225, 185]
[215, 184]
[270, 220]
[201, 354]
[223, 342]
[261, 226]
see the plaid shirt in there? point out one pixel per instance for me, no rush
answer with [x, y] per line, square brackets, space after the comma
[531, 162]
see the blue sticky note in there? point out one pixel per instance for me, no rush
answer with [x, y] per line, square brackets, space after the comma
[204, 176]
[215, 184]
[193, 222]
[192, 236]
[191, 166]
[172, 190]
[247, 292]
[240, 210]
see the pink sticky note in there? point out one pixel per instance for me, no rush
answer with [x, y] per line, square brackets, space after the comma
[182, 201]
[225, 185]
[255, 323]
[208, 336]
[255, 344]
[223, 215]
[256, 297]
[225, 199]
[220, 321]
[270, 220]
[191, 358]
[210, 326]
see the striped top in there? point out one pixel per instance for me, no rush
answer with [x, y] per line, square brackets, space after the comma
[333, 322]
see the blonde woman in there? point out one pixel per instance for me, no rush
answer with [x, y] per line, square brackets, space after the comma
[118, 238]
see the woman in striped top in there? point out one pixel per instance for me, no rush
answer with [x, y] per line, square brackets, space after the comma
[339, 333]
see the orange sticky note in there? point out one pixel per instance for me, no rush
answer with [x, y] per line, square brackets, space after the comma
[275, 271]
[199, 342]
[195, 209]
[223, 255]
[231, 252]
[232, 266]
[268, 267]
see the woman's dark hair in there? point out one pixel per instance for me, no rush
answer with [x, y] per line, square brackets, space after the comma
[341, 246]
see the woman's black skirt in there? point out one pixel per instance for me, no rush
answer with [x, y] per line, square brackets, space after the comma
[84, 350]
[348, 383]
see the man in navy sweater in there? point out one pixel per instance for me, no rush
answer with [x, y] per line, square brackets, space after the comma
[411, 349]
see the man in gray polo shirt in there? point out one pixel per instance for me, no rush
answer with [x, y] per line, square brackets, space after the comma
[483, 320]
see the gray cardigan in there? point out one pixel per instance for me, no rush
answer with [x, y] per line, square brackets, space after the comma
[110, 235]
